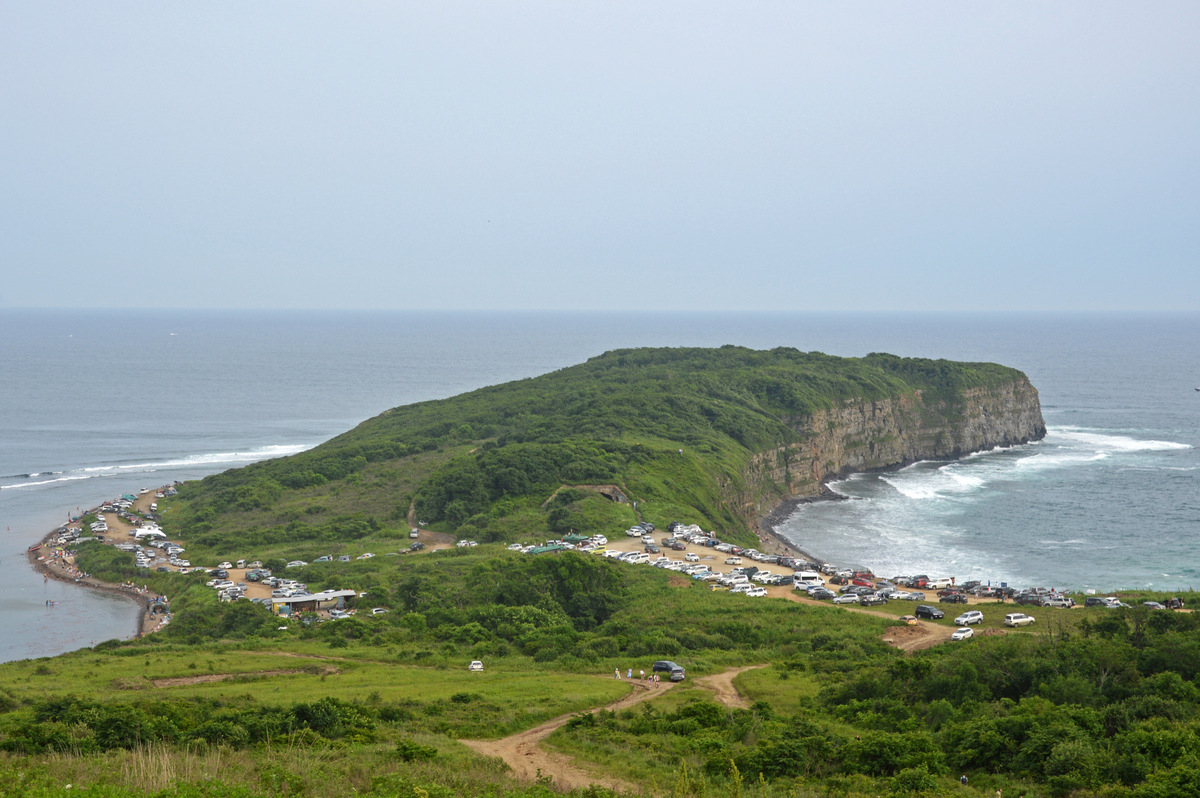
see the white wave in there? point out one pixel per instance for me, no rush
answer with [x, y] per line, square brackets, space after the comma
[946, 481]
[1057, 459]
[190, 461]
[44, 482]
[1108, 442]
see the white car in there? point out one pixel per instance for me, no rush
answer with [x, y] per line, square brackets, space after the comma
[600, 540]
[296, 564]
[964, 633]
[1018, 619]
[368, 555]
[692, 556]
[476, 666]
[757, 592]
[379, 611]
[733, 560]
[968, 618]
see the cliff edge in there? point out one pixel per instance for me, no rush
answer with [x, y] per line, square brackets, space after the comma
[882, 434]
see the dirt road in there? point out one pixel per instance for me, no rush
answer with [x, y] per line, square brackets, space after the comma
[528, 760]
[721, 685]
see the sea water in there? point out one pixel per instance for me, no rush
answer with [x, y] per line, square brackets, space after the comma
[99, 403]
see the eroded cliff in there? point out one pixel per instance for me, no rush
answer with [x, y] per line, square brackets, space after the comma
[891, 433]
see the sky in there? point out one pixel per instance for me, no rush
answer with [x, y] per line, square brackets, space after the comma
[782, 156]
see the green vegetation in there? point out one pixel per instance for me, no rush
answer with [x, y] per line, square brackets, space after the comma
[1093, 702]
[673, 429]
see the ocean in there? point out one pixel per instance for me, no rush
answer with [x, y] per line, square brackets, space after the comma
[97, 403]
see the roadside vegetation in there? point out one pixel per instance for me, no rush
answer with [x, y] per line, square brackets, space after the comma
[1089, 702]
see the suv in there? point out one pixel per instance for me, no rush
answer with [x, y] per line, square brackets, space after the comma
[968, 618]
[1102, 601]
[926, 611]
[953, 598]
[666, 666]
[1018, 619]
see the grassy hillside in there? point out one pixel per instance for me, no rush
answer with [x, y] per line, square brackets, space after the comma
[673, 428]
[1092, 702]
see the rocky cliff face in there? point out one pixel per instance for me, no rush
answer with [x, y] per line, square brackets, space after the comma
[891, 433]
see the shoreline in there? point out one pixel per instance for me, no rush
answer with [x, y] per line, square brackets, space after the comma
[48, 559]
[767, 524]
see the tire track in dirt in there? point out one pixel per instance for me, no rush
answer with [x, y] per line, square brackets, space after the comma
[721, 686]
[528, 760]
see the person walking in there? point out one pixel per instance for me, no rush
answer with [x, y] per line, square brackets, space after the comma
[643, 674]
[617, 673]
[630, 674]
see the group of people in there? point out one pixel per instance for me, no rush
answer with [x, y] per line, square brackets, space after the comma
[653, 680]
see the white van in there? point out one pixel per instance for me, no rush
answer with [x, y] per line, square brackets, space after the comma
[802, 580]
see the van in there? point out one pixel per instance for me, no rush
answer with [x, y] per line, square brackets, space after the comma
[802, 580]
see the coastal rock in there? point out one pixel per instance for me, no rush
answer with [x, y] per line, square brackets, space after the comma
[891, 433]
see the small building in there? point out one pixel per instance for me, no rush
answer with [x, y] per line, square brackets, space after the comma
[326, 600]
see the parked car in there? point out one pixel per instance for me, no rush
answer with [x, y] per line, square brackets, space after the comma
[476, 666]
[296, 564]
[1018, 619]
[846, 598]
[909, 620]
[954, 598]
[1154, 605]
[964, 633]
[692, 556]
[926, 611]
[733, 560]
[1065, 602]
[666, 666]
[871, 600]
[968, 618]
[757, 592]
[379, 611]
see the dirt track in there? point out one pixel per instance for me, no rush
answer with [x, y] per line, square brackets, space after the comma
[721, 685]
[528, 760]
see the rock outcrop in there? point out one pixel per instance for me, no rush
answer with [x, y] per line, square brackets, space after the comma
[892, 433]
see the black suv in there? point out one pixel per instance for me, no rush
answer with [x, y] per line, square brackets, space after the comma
[668, 667]
[925, 611]
[954, 598]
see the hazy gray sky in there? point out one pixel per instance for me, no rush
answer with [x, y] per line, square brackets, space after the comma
[601, 155]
